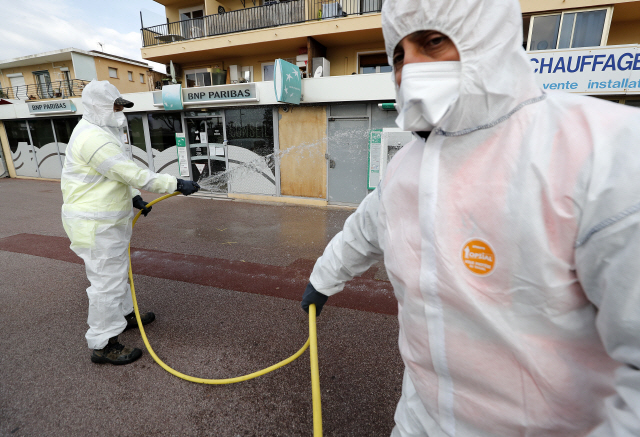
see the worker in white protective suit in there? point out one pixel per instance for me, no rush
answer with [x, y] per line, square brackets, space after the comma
[510, 234]
[100, 188]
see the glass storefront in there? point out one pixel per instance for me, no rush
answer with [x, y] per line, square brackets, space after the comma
[38, 145]
[21, 151]
[135, 137]
[252, 162]
[162, 132]
[45, 148]
[235, 146]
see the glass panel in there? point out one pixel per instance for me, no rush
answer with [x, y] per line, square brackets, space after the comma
[191, 80]
[17, 133]
[373, 60]
[367, 70]
[267, 72]
[43, 80]
[386, 69]
[545, 32]
[203, 79]
[21, 152]
[252, 129]
[136, 140]
[215, 130]
[136, 131]
[64, 128]
[163, 129]
[250, 150]
[46, 149]
[565, 32]
[194, 130]
[41, 132]
[589, 27]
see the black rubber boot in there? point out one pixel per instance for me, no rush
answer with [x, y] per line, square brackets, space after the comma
[146, 318]
[115, 353]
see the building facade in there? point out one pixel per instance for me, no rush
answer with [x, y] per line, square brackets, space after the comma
[62, 73]
[231, 132]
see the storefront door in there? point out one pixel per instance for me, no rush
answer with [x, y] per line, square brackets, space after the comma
[208, 150]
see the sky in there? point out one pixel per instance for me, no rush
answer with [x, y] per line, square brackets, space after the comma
[36, 26]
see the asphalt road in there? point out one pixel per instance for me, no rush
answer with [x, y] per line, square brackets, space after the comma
[224, 279]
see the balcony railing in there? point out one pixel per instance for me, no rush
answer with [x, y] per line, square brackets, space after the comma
[271, 14]
[63, 89]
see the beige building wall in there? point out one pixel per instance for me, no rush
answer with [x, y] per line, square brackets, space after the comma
[344, 59]
[123, 83]
[29, 78]
[246, 61]
[303, 144]
[625, 32]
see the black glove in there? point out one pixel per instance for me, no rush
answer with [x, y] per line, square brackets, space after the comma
[138, 203]
[311, 295]
[187, 187]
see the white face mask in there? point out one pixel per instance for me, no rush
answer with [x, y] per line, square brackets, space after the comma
[116, 119]
[427, 91]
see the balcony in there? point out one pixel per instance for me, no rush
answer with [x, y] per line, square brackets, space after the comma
[63, 89]
[271, 14]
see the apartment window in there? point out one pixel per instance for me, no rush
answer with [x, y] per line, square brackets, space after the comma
[374, 63]
[191, 13]
[267, 71]
[199, 77]
[571, 29]
[130, 75]
[113, 72]
[141, 78]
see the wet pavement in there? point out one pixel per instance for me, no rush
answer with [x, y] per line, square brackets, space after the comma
[224, 279]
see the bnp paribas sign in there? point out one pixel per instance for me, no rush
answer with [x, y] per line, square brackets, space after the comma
[51, 107]
[592, 70]
[246, 92]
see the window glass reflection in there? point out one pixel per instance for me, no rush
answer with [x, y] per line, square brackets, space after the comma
[545, 32]
[17, 133]
[163, 129]
[136, 131]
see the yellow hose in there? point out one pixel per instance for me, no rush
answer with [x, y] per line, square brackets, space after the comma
[312, 340]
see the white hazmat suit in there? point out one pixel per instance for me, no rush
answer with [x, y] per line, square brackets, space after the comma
[97, 213]
[511, 239]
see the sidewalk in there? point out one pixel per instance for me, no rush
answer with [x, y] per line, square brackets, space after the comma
[224, 279]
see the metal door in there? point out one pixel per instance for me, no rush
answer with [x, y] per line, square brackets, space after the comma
[348, 144]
